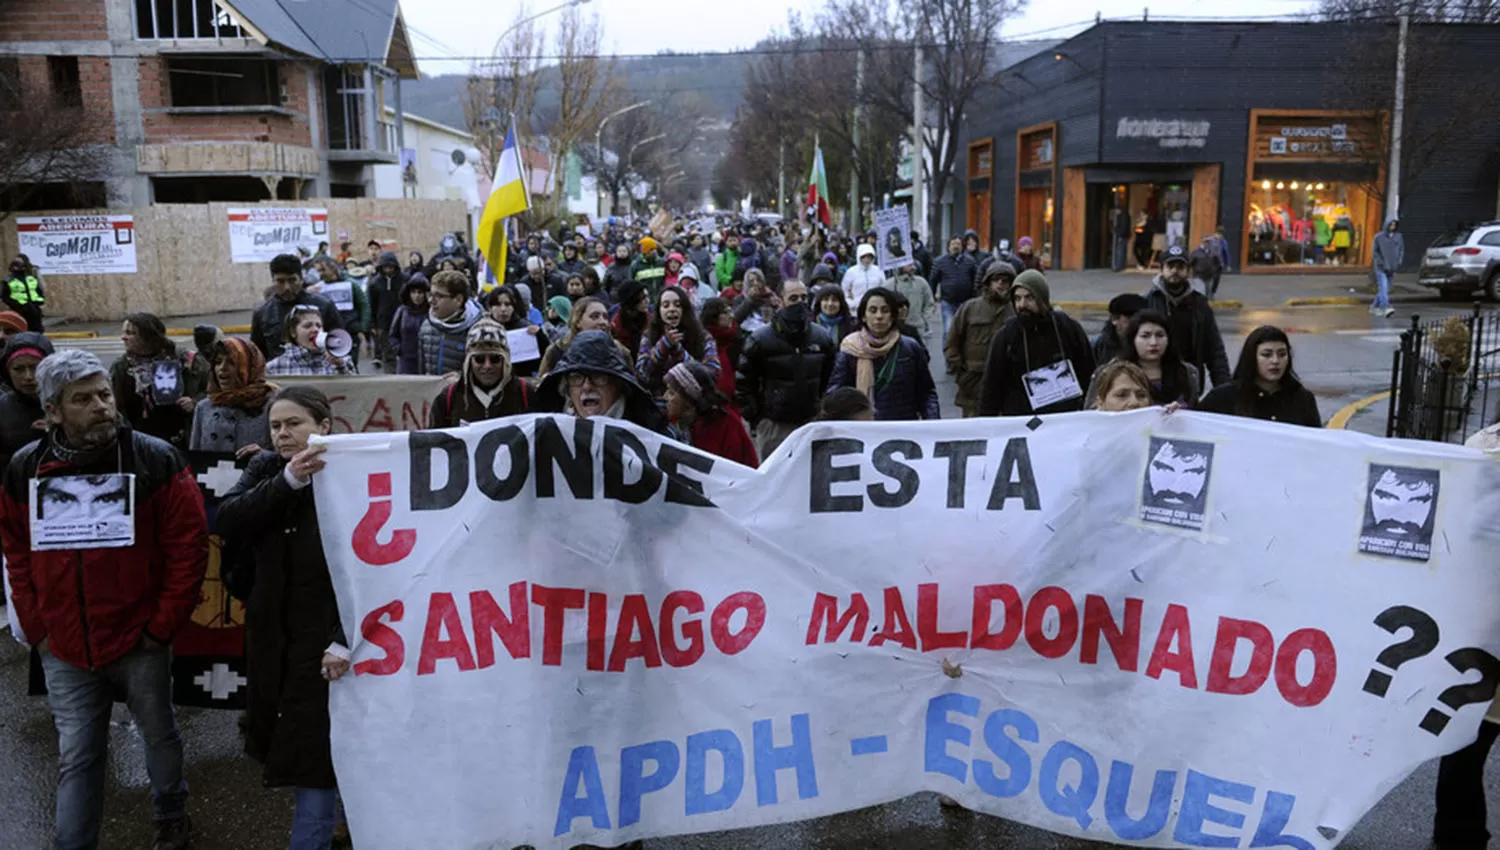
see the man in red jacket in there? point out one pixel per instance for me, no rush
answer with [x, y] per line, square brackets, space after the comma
[104, 570]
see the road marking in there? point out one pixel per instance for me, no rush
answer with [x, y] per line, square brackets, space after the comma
[1340, 420]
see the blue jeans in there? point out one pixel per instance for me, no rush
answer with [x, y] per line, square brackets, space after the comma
[81, 701]
[317, 813]
[949, 311]
[1382, 289]
[1122, 247]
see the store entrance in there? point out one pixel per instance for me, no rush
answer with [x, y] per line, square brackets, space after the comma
[1159, 214]
[1034, 219]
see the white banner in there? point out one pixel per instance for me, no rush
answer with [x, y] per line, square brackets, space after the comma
[374, 403]
[1164, 631]
[893, 232]
[258, 234]
[79, 244]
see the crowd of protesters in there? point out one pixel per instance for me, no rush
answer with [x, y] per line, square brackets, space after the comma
[727, 340]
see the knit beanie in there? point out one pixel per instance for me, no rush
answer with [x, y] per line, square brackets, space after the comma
[648, 244]
[561, 306]
[487, 336]
[12, 321]
[1034, 282]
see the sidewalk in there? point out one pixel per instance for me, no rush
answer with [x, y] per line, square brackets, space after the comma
[1092, 289]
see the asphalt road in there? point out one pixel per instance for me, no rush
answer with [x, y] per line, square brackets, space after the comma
[1343, 354]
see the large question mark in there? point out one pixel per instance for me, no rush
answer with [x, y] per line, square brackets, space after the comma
[1424, 639]
[1458, 696]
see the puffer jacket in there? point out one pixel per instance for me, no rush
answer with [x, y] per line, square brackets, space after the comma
[908, 394]
[94, 605]
[953, 278]
[443, 342]
[292, 617]
[783, 373]
[974, 328]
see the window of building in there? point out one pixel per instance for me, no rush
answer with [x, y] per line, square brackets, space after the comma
[67, 85]
[197, 81]
[1307, 223]
[183, 19]
[10, 82]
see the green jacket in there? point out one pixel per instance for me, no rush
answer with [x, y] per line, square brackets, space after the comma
[724, 266]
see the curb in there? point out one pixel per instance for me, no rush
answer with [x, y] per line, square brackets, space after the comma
[1104, 305]
[229, 329]
[1340, 420]
[72, 334]
[1329, 301]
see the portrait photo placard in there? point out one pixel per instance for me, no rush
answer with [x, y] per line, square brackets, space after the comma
[83, 512]
[1400, 512]
[1174, 489]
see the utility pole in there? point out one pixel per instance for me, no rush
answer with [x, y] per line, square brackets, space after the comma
[918, 149]
[859, 114]
[1398, 116]
[781, 177]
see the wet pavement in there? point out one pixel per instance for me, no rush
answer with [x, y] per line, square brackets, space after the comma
[1342, 353]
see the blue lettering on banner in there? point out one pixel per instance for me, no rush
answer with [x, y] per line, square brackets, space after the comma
[1068, 782]
[731, 753]
[652, 767]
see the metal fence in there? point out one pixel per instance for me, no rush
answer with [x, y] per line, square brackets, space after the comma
[1445, 389]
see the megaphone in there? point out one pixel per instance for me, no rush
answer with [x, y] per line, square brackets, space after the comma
[336, 342]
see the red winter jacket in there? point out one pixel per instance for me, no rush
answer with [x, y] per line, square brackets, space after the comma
[727, 437]
[93, 605]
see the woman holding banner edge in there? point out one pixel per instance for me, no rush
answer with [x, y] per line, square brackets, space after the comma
[295, 644]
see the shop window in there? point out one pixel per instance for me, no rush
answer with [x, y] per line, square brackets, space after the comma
[223, 82]
[1159, 214]
[67, 86]
[1307, 223]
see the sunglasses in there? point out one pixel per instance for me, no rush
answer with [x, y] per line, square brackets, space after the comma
[489, 359]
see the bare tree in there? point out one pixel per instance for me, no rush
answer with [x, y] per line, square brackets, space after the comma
[1421, 11]
[585, 86]
[959, 40]
[47, 144]
[505, 85]
[640, 144]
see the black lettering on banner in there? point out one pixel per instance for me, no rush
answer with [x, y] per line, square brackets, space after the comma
[421, 445]
[684, 489]
[886, 464]
[575, 465]
[486, 453]
[824, 475]
[1015, 479]
[958, 453]
[616, 441]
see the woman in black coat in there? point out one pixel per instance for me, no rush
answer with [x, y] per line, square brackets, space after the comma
[1265, 385]
[294, 643]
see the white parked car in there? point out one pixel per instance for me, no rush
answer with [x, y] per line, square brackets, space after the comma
[1464, 260]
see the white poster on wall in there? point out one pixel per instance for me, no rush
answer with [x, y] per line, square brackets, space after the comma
[893, 232]
[79, 244]
[257, 234]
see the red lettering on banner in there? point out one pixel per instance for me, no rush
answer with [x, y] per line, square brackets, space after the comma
[378, 633]
[514, 630]
[897, 626]
[340, 424]
[1220, 667]
[598, 624]
[442, 616]
[379, 418]
[755, 618]
[927, 622]
[692, 630]
[1124, 641]
[1067, 628]
[366, 540]
[555, 602]
[826, 618]
[985, 597]
[635, 618]
[1175, 630]
[1325, 667]
[409, 418]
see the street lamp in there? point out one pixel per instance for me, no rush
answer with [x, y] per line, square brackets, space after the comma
[529, 18]
[599, 141]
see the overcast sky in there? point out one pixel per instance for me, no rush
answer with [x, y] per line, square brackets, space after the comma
[470, 27]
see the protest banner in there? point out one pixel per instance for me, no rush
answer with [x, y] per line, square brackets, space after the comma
[258, 234]
[1160, 630]
[893, 232]
[661, 225]
[376, 403]
[208, 653]
[79, 244]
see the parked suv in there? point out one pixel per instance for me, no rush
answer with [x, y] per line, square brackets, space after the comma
[1463, 260]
